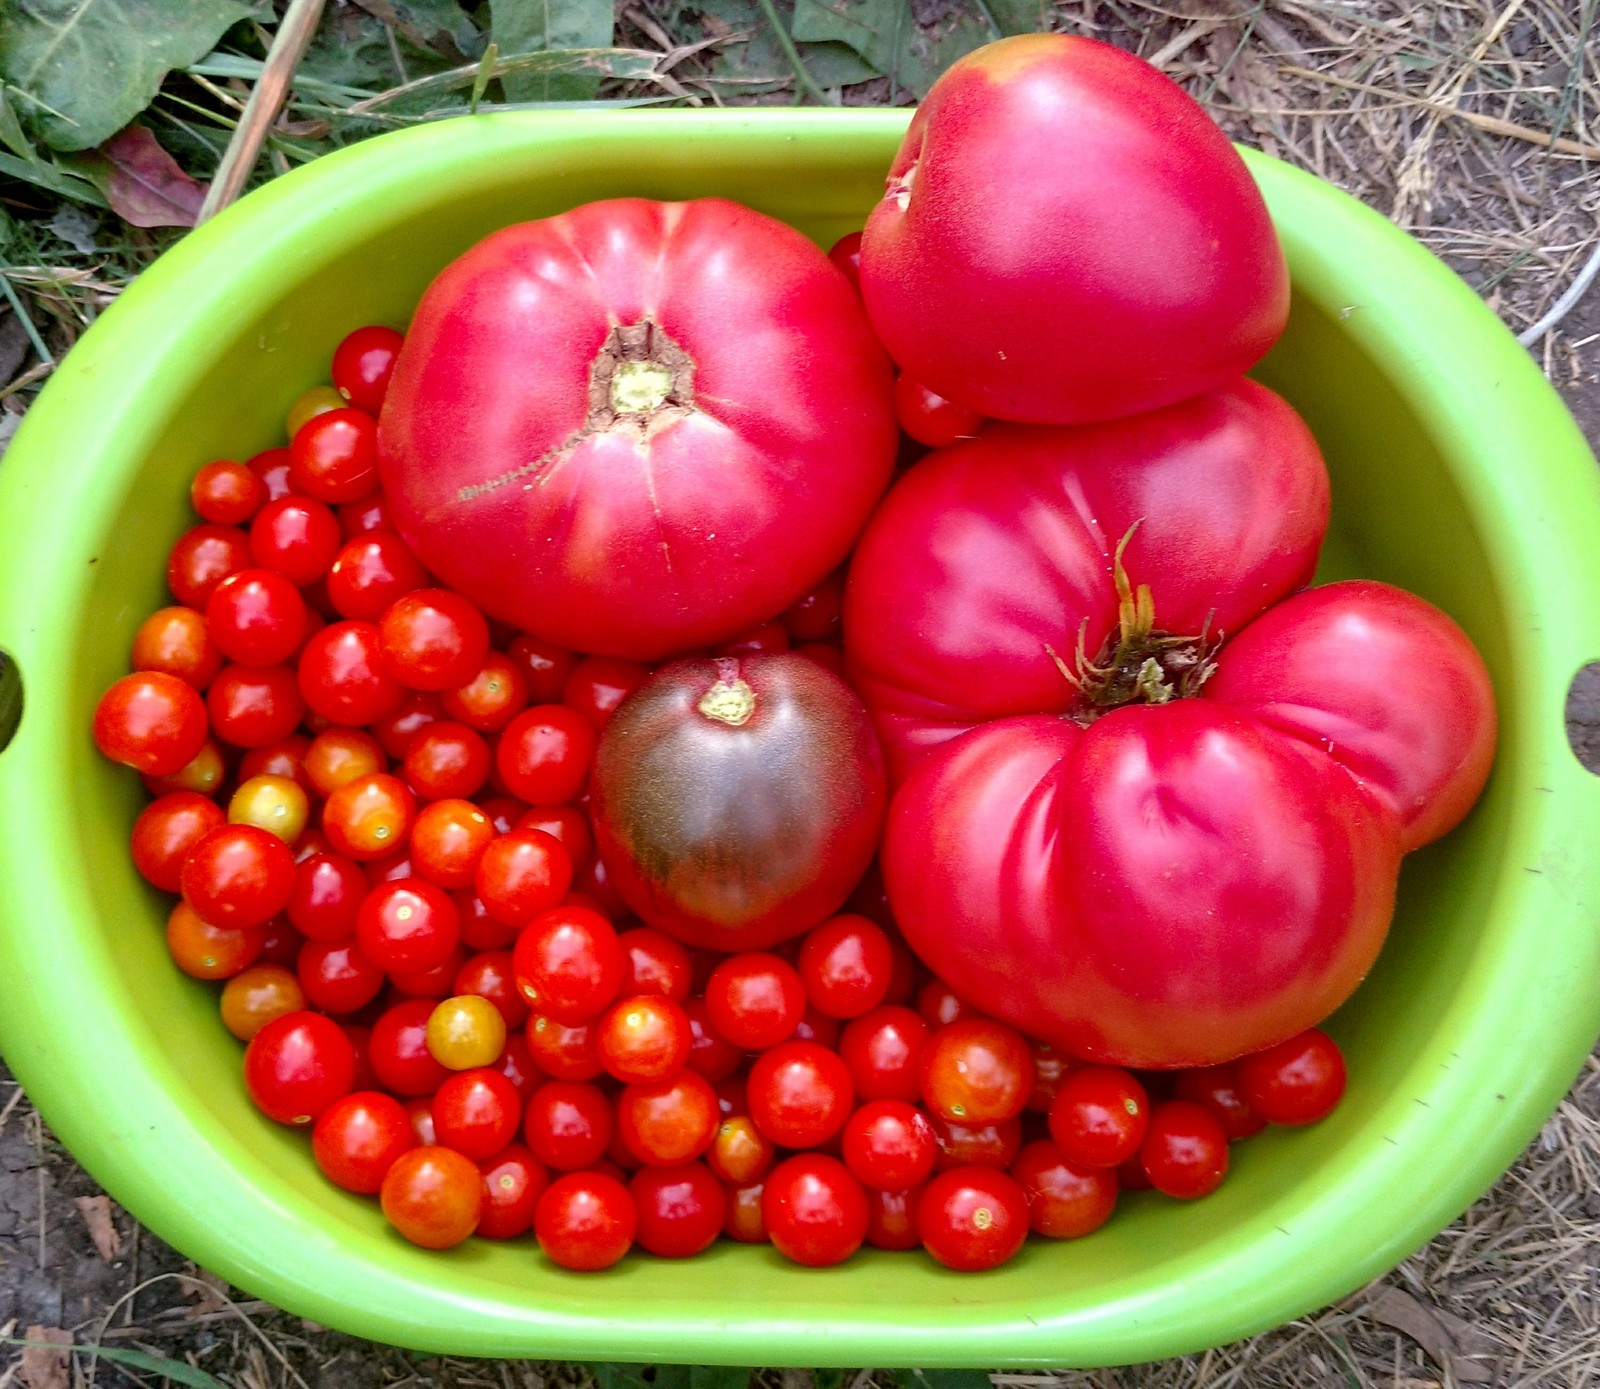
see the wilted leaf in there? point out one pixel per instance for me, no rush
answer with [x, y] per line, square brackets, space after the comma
[145, 185]
[96, 1213]
[44, 1358]
[210, 1291]
[95, 64]
[886, 34]
[76, 227]
[1469, 1354]
[531, 26]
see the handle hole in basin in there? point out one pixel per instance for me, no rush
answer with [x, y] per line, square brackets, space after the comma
[10, 699]
[1583, 716]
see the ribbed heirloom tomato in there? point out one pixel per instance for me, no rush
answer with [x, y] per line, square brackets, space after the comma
[1154, 800]
[1027, 286]
[638, 427]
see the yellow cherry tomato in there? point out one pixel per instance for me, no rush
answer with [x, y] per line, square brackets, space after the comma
[273, 803]
[466, 1032]
[309, 404]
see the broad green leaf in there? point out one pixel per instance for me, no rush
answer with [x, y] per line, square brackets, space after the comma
[352, 49]
[52, 179]
[98, 63]
[527, 26]
[754, 59]
[1020, 16]
[443, 26]
[885, 33]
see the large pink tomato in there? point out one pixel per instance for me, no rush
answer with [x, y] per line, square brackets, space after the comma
[738, 800]
[638, 427]
[1154, 798]
[1067, 236]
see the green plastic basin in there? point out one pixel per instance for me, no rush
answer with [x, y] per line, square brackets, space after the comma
[1456, 473]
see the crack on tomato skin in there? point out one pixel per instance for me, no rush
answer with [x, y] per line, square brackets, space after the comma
[1138, 663]
[634, 355]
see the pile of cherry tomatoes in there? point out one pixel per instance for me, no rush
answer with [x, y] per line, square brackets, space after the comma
[372, 803]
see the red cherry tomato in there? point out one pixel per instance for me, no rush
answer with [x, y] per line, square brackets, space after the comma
[889, 1145]
[433, 1196]
[297, 1066]
[368, 816]
[1099, 1116]
[204, 774]
[929, 418]
[521, 875]
[446, 760]
[545, 753]
[226, 493]
[363, 362]
[358, 1138]
[296, 537]
[175, 641]
[256, 617]
[238, 875]
[544, 667]
[972, 1218]
[1217, 1088]
[167, 831]
[740, 1152]
[433, 639]
[883, 1050]
[341, 677]
[1064, 1201]
[408, 926]
[513, 1182]
[815, 1211]
[1049, 1068]
[399, 1051]
[666, 1122]
[976, 1145]
[254, 706]
[204, 951]
[337, 976]
[710, 1054]
[328, 892]
[681, 1209]
[201, 559]
[585, 1220]
[1185, 1150]
[150, 721]
[817, 617]
[271, 467]
[845, 253]
[569, 964]
[643, 1037]
[892, 1218]
[371, 572]
[800, 1094]
[365, 516]
[755, 999]
[940, 1005]
[568, 1124]
[976, 1072]
[448, 839]
[477, 1113]
[563, 1052]
[657, 964]
[1296, 1082]
[489, 975]
[743, 1221]
[334, 456]
[491, 698]
[846, 965]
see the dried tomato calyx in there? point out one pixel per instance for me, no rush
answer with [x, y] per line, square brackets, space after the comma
[1138, 664]
[730, 700]
[638, 372]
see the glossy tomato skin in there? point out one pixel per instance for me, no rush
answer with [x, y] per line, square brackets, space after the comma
[1274, 869]
[297, 1066]
[150, 721]
[703, 530]
[357, 1140]
[681, 1209]
[1226, 497]
[776, 760]
[1141, 271]
[1053, 894]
